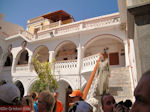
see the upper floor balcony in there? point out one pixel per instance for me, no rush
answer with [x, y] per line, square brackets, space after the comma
[49, 20]
[59, 28]
[65, 67]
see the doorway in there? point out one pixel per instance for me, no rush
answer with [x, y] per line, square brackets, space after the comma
[114, 58]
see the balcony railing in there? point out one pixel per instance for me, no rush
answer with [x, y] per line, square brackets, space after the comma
[71, 65]
[83, 25]
[27, 34]
[98, 22]
[66, 67]
[89, 63]
[101, 22]
[6, 68]
[22, 68]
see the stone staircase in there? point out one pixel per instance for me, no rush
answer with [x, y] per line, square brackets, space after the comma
[120, 83]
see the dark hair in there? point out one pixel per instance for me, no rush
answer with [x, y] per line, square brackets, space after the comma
[81, 99]
[74, 107]
[146, 73]
[27, 100]
[106, 94]
[127, 103]
[33, 95]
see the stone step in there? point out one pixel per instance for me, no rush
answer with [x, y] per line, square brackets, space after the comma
[120, 83]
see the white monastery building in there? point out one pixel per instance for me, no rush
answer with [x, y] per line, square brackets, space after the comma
[75, 46]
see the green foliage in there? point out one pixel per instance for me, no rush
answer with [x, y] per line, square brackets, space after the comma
[45, 81]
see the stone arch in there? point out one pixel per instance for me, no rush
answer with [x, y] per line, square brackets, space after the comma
[19, 84]
[32, 82]
[64, 89]
[110, 45]
[66, 50]
[102, 36]
[22, 57]
[43, 53]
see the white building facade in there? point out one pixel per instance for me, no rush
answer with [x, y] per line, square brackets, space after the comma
[75, 46]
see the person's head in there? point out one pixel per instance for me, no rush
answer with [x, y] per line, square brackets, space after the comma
[107, 101]
[142, 94]
[46, 101]
[27, 101]
[34, 96]
[76, 95]
[56, 95]
[81, 106]
[9, 93]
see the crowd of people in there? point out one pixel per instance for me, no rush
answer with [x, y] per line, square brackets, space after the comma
[142, 98]
[47, 101]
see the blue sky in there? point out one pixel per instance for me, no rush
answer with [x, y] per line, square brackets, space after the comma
[20, 11]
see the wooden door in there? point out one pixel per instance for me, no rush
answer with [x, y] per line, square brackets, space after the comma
[114, 58]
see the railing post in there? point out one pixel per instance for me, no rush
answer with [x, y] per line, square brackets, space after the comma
[81, 26]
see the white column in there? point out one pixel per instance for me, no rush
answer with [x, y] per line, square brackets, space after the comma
[13, 68]
[30, 62]
[79, 62]
[79, 56]
[51, 56]
[126, 53]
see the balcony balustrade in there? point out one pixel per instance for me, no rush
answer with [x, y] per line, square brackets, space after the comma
[89, 63]
[68, 66]
[71, 65]
[6, 68]
[22, 68]
[98, 22]
[27, 34]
